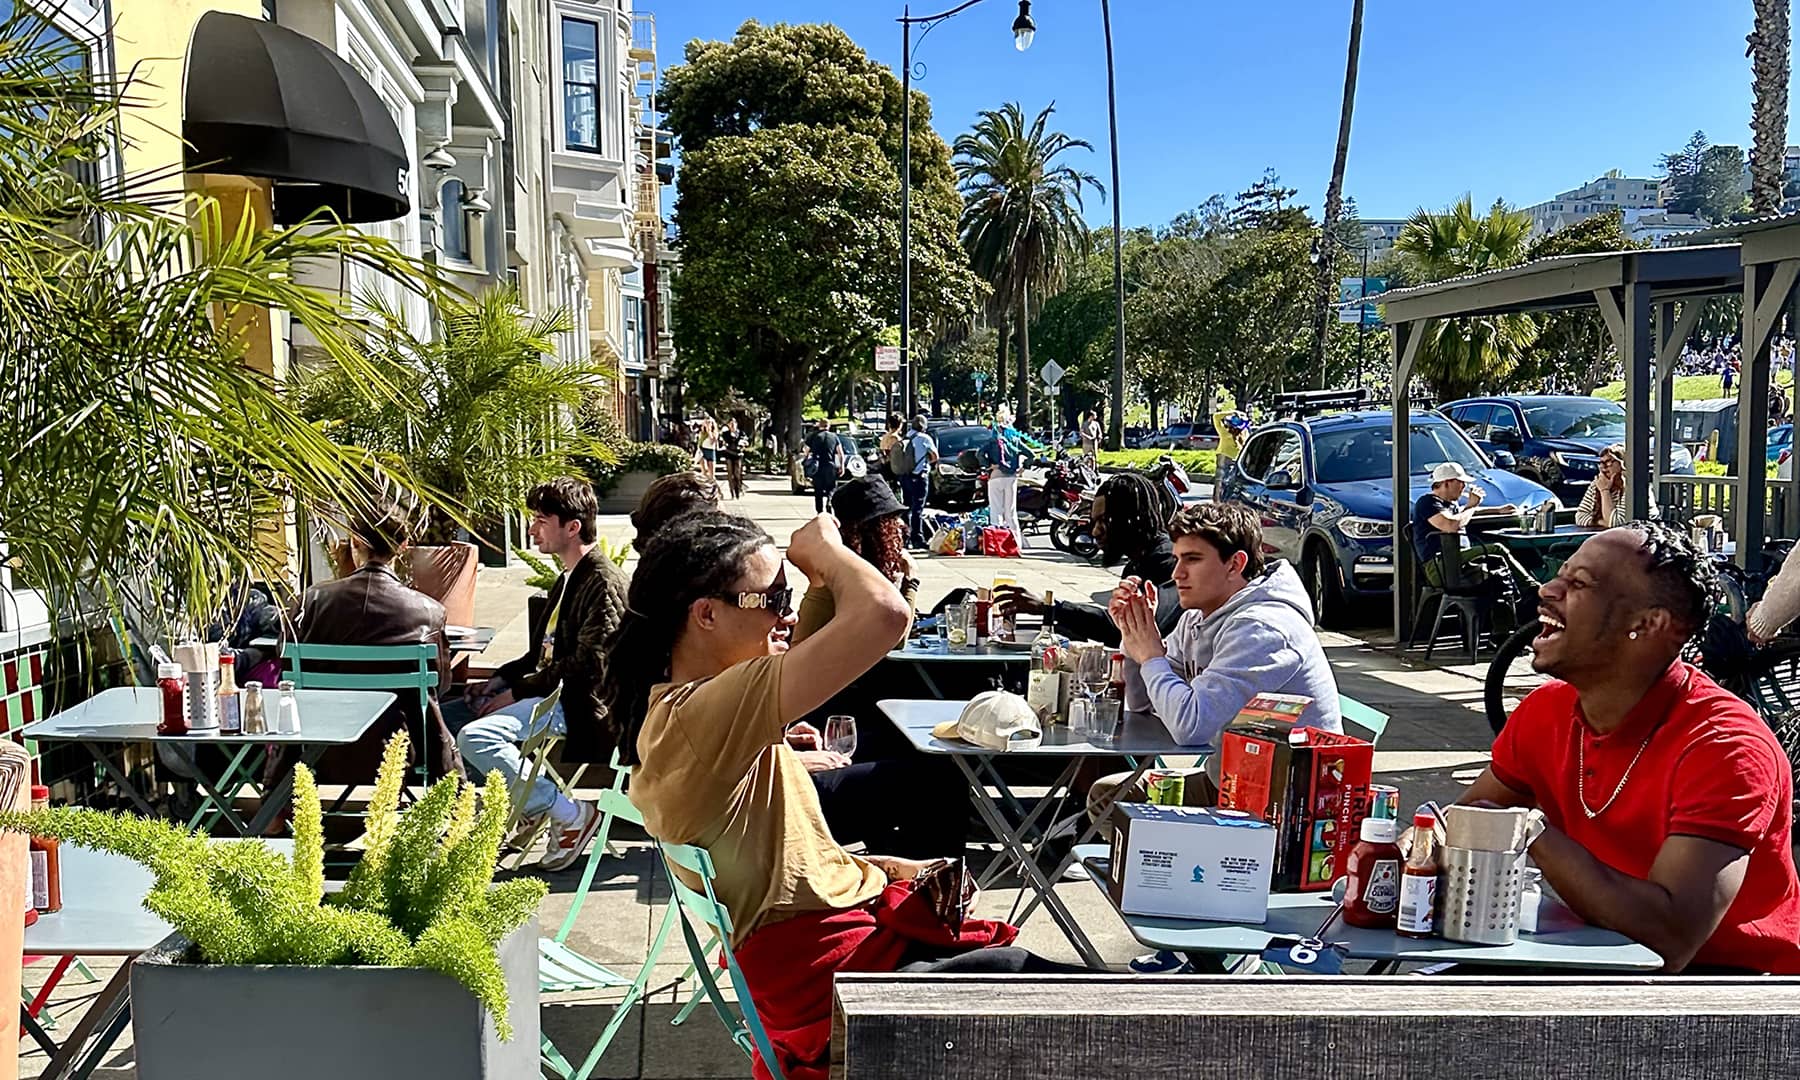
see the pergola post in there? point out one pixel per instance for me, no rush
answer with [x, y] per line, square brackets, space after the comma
[1407, 336]
[1767, 287]
[1637, 349]
[1672, 333]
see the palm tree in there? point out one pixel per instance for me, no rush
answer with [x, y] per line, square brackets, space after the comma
[1769, 43]
[1334, 201]
[1468, 355]
[147, 464]
[1021, 221]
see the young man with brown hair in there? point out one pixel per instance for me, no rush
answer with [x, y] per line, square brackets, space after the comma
[568, 653]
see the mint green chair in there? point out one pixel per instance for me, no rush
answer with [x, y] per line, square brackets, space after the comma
[1360, 719]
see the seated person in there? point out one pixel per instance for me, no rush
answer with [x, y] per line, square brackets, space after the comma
[703, 686]
[1440, 514]
[567, 654]
[1131, 523]
[1603, 504]
[667, 498]
[371, 606]
[1246, 628]
[1669, 801]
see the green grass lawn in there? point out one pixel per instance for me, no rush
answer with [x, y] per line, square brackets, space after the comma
[1200, 464]
[1690, 387]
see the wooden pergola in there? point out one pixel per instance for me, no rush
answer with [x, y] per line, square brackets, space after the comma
[1649, 302]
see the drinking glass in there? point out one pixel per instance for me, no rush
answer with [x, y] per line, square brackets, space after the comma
[840, 735]
[956, 621]
[1093, 672]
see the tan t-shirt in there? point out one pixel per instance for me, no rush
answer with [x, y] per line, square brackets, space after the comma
[715, 772]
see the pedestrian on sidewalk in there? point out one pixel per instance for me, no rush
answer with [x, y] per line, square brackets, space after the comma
[914, 467]
[1001, 455]
[826, 453]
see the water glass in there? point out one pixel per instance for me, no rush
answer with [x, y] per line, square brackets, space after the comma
[956, 621]
[840, 735]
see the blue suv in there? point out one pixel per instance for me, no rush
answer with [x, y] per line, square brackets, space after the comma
[1556, 439]
[1324, 489]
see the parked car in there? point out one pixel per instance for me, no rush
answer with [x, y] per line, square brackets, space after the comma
[1556, 439]
[953, 485]
[1781, 443]
[1135, 436]
[1181, 437]
[802, 483]
[1324, 489]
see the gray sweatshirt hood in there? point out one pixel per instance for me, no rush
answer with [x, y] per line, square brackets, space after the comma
[1279, 584]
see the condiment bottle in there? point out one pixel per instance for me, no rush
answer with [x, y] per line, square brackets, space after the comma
[256, 720]
[1372, 874]
[231, 714]
[171, 681]
[1418, 882]
[1115, 679]
[287, 709]
[1003, 622]
[984, 606]
[1531, 894]
[1043, 685]
[46, 867]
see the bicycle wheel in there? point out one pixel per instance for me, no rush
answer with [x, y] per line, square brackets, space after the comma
[1494, 686]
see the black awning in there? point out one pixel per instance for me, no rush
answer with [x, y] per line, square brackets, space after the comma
[262, 100]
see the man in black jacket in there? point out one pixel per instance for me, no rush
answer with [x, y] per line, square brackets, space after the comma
[1131, 522]
[567, 654]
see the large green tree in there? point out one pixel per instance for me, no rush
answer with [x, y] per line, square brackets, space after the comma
[1706, 178]
[1463, 356]
[1573, 347]
[789, 211]
[1021, 223]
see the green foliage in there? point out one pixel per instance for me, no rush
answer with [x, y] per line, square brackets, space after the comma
[419, 897]
[486, 411]
[1572, 347]
[1707, 178]
[1201, 464]
[1464, 356]
[142, 453]
[789, 211]
[618, 552]
[658, 459]
[543, 572]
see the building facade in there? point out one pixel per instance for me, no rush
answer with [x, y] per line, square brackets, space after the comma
[1609, 193]
[1382, 233]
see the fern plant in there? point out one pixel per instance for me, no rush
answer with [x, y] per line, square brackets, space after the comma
[422, 895]
[544, 573]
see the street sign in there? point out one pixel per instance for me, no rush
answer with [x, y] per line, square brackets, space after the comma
[887, 358]
[1051, 372]
[979, 379]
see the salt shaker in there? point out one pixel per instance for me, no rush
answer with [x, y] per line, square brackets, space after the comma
[256, 717]
[287, 714]
[1531, 891]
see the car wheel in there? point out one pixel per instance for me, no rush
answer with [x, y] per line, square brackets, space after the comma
[1323, 586]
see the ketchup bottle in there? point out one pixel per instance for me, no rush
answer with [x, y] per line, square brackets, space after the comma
[1372, 874]
[173, 688]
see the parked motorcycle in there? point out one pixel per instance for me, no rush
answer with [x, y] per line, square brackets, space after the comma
[1064, 489]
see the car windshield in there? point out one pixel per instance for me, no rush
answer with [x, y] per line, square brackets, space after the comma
[1576, 418]
[1367, 453]
[953, 441]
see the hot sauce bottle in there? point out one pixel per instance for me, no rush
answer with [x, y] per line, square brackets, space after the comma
[1372, 873]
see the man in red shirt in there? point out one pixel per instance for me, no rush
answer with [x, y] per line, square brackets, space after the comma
[1669, 801]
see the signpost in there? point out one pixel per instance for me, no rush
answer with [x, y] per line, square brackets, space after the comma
[1051, 373]
[887, 358]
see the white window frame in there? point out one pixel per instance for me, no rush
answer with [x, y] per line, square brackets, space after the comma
[601, 66]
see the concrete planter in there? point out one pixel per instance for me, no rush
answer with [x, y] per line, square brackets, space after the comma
[627, 492]
[208, 1022]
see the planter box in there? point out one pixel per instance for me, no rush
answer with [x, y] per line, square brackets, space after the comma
[208, 1022]
[625, 495]
[446, 573]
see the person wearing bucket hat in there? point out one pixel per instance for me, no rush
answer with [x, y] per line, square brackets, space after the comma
[1443, 513]
[873, 524]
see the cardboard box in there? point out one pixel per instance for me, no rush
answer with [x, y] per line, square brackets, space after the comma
[1311, 785]
[1191, 862]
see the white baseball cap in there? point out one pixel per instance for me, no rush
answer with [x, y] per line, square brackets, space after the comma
[995, 720]
[1449, 470]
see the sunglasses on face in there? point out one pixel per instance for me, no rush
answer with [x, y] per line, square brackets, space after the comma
[777, 599]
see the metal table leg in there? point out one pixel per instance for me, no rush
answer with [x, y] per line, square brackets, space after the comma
[36, 1030]
[276, 797]
[1029, 821]
[1034, 876]
[123, 782]
[218, 798]
[925, 676]
[1092, 830]
[105, 1018]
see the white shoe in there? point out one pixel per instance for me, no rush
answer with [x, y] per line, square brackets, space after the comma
[567, 842]
[525, 832]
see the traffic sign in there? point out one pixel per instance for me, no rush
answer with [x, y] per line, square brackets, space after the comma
[1051, 372]
[887, 358]
[979, 379]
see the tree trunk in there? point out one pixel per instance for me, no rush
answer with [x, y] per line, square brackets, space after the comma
[790, 401]
[1334, 201]
[1023, 420]
[1769, 43]
[1000, 360]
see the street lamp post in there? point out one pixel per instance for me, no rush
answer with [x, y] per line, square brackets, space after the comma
[1362, 321]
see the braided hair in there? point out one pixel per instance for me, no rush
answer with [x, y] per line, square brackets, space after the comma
[696, 555]
[1138, 510]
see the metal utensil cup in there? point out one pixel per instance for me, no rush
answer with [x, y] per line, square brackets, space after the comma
[1480, 891]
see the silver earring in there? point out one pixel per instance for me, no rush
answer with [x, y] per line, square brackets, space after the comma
[1633, 635]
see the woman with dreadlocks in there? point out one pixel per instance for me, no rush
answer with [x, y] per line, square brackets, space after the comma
[702, 685]
[1131, 523]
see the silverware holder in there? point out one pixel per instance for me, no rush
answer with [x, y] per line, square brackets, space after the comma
[1480, 891]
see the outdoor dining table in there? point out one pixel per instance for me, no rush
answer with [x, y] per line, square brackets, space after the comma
[1543, 553]
[1141, 740]
[122, 715]
[1299, 915]
[924, 653]
[102, 915]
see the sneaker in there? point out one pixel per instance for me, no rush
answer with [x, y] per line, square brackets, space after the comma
[567, 842]
[1157, 963]
[525, 832]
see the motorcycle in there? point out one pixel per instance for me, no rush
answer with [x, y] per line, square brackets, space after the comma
[1174, 479]
[1063, 490]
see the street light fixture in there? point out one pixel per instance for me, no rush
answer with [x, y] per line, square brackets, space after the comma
[1023, 28]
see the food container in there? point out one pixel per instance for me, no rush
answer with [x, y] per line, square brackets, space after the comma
[1480, 895]
[1482, 828]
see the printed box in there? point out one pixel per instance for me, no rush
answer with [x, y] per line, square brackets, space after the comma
[1191, 862]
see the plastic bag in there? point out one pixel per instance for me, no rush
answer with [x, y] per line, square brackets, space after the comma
[946, 541]
[1000, 543]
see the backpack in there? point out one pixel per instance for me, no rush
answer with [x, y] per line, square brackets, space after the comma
[900, 460]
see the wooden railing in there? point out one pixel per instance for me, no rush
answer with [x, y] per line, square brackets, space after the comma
[1683, 497]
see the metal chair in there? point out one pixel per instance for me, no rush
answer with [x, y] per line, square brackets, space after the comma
[401, 668]
[535, 753]
[1453, 595]
[742, 1022]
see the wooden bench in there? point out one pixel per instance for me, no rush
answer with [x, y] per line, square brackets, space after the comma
[901, 1027]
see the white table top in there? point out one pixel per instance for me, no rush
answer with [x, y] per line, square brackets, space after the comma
[1299, 915]
[103, 906]
[934, 650]
[130, 713]
[1144, 735]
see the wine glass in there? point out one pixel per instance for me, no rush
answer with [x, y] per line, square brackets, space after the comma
[1093, 671]
[840, 735]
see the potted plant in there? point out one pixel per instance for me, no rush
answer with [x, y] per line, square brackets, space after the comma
[622, 483]
[483, 413]
[420, 967]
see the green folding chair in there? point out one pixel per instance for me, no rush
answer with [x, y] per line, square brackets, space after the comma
[400, 668]
[563, 970]
[535, 753]
[742, 1022]
[1367, 722]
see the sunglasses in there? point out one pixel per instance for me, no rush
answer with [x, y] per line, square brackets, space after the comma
[778, 598]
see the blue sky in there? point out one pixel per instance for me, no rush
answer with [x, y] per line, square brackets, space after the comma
[1516, 99]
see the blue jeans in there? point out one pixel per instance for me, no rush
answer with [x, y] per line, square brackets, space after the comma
[492, 742]
[914, 486]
